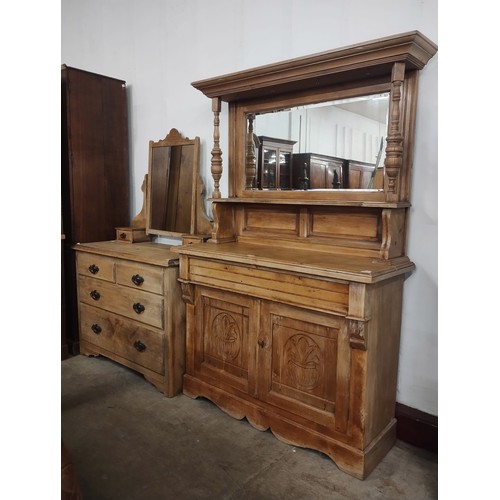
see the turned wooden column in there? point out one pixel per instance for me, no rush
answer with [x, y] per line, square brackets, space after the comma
[250, 168]
[394, 149]
[216, 165]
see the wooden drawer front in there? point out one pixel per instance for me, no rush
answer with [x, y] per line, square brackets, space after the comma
[126, 338]
[296, 290]
[140, 276]
[96, 266]
[122, 300]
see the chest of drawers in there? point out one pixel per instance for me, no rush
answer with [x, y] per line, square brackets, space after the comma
[130, 309]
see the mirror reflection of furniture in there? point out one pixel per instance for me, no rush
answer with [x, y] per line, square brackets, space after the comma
[348, 129]
[274, 169]
[130, 305]
[295, 303]
[359, 174]
[176, 193]
[324, 172]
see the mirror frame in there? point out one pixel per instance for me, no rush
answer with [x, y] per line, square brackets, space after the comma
[238, 112]
[174, 138]
[389, 64]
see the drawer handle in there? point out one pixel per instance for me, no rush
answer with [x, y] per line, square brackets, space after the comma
[262, 343]
[137, 279]
[96, 328]
[138, 308]
[93, 269]
[139, 346]
[123, 236]
[95, 294]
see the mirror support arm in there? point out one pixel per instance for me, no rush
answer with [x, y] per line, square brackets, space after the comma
[216, 165]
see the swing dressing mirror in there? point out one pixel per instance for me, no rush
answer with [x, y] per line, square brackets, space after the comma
[175, 204]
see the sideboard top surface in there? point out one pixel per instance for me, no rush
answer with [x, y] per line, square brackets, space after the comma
[309, 262]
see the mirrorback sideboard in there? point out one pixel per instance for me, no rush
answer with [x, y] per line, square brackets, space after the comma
[293, 307]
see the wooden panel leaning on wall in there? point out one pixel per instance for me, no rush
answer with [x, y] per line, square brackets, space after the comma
[94, 171]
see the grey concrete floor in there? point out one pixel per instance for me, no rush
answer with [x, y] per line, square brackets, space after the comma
[129, 442]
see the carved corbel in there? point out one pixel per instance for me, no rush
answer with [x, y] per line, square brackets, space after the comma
[393, 227]
[356, 330]
[187, 291]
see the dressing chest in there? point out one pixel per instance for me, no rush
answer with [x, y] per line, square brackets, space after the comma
[130, 309]
[129, 298]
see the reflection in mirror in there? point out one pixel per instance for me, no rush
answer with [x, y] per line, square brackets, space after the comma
[330, 145]
[174, 187]
[170, 190]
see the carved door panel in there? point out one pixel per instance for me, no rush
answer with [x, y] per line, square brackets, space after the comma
[304, 364]
[226, 323]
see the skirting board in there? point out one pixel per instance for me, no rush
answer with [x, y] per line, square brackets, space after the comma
[417, 427]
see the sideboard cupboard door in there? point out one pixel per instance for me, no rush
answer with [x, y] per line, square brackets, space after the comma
[304, 364]
[224, 352]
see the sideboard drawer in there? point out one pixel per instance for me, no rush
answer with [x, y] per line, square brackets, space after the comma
[132, 341]
[324, 295]
[134, 304]
[97, 266]
[139, 276]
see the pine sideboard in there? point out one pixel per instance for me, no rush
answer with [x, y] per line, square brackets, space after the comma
[294, 306]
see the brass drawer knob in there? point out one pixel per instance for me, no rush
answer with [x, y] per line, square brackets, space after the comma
[95, 294]
[138, 308]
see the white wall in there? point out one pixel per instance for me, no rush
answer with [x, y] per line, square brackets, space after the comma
[160, 46]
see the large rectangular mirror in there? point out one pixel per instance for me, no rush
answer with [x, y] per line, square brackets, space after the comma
[174, 204]
[327, 145]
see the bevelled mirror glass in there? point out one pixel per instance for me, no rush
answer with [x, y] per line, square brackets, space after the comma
[172, 185]
[327, 145]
